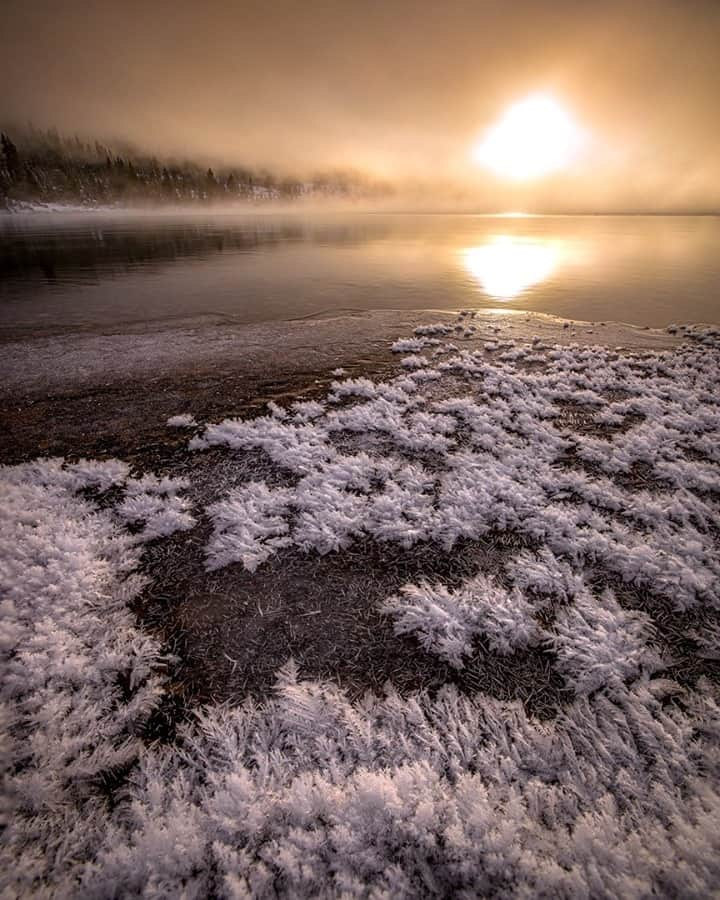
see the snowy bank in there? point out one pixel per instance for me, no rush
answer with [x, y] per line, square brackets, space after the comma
[605, 466]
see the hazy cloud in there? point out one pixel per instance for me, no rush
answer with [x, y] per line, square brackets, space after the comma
[398, 88]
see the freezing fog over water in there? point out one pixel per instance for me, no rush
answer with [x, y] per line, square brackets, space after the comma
[97, 271]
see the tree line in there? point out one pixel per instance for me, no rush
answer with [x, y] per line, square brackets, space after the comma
[43, 166]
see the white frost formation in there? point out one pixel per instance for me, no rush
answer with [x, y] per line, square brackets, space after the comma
[183, 420]
[79, 680]
[155, 502]
[499, 454]
[445, 621]
[605, 464]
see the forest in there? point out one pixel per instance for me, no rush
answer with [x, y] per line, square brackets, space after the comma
[42, 166]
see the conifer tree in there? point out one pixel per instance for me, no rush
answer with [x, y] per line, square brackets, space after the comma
[11, 156]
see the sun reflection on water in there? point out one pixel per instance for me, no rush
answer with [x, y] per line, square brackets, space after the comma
[506, 266]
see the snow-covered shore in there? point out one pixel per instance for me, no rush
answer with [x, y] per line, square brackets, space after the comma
[38, 365]
[31, 207]
[597, 446]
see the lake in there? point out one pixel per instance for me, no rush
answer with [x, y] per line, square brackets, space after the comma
[95, 271]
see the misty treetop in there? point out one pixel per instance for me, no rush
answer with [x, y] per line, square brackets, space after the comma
[43, 166]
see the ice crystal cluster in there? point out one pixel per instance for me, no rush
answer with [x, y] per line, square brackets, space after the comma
[182, 420]
[606, 464]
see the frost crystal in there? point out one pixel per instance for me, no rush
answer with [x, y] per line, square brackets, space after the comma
[184, 420]
[446, 621]
[603, 466]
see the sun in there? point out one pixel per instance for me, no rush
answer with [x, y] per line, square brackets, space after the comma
[534, 137]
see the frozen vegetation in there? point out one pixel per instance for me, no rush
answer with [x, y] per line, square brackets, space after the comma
[606, 465]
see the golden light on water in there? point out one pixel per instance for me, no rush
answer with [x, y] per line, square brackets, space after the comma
[535, 137]
[507, 266]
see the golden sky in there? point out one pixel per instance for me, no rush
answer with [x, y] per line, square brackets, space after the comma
[399, 89]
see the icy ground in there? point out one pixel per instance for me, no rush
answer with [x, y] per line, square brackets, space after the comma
[605, 463]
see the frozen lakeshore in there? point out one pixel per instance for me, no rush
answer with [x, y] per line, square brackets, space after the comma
[490, 547]
[96, 393]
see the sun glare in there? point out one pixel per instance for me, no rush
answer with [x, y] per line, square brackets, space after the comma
[507, 266]
[535, 137]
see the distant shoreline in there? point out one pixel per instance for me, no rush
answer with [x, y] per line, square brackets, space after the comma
[323, 205]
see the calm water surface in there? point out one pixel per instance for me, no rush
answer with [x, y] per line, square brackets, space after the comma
[89, 271]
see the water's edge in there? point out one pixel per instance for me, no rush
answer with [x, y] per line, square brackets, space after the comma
[76, 361]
